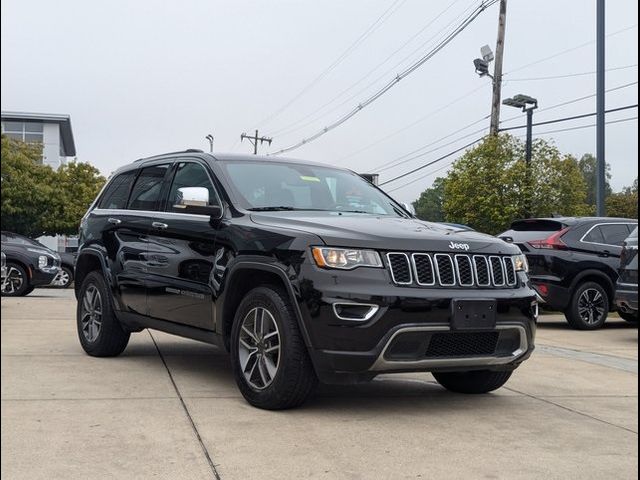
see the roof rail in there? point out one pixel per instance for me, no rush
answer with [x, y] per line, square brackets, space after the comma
[188, 150]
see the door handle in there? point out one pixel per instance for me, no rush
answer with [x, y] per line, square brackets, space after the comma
[160, 225]
[114, 221]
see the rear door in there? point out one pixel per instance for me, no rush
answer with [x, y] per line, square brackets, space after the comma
[182, 254]
[606, 240]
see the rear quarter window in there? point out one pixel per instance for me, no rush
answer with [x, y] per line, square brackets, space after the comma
[116, 194]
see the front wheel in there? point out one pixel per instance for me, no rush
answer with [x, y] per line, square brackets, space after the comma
[64, 278]
[589, 307]
[15, 283]
[474, 382]
[270, 361]
[99, 331]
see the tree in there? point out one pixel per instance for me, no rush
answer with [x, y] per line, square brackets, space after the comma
[429, 205]
[36, 200]
[625, 203]
[588, 166]
[487, 187]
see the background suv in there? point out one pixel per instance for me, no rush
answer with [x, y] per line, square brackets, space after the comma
[303, 272]
[627, 286]
[574, 263]
[29, 265]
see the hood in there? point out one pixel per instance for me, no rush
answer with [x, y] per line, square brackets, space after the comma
[384, 233]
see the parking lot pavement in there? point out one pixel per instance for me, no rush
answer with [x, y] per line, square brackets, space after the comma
[169, 408]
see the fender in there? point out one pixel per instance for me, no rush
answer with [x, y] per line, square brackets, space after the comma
[274, 268]
[98, 254]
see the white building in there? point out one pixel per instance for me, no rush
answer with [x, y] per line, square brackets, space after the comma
[54, 133]
[51, 130]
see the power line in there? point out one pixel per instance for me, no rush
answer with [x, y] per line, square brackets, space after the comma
[575, 100]
[372, 28]
[432, 162]
[483, 6]
[297, 125]
[610, 122]
[568, 50]
[574, 117]
[413, 124]
[570, 75]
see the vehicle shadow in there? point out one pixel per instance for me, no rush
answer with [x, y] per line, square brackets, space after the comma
[611, 324]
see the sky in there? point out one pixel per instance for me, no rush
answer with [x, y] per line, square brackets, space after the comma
[147, 77]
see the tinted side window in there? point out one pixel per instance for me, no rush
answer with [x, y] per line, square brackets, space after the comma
[594, 236]
[190, 175]
[615, 234]
[146, 191]
[117, 192]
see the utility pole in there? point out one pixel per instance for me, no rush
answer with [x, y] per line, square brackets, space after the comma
[255, 139]
[497, 72]
[600, 111]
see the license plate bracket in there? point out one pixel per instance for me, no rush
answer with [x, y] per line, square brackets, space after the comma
[472, 314]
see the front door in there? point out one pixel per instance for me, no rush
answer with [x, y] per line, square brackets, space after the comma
[181, 255]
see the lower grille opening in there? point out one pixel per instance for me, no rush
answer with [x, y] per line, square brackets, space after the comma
[462, 344]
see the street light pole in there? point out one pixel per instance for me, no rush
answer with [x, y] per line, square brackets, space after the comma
[600, 109]
[528, 105]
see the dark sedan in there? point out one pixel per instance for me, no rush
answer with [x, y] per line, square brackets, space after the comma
[29, 264]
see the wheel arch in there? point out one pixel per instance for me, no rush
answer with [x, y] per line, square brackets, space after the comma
[245, 276]
[599, 277]
[88, 261]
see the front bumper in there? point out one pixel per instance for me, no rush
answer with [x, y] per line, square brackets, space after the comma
[410, 330]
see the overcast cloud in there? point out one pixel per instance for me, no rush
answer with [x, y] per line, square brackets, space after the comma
[140, 78]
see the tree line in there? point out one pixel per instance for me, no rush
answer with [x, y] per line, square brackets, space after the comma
[489, 187]
[38, 200]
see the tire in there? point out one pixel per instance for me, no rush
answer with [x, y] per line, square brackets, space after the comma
[16, 283]
[265, 318]
[101, 335]
[589, 307]
[631, 317]
[64, 281]
[474, 382]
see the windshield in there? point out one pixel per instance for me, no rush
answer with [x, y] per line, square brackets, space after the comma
[288, 186]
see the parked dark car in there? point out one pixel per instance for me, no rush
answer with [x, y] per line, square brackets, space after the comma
[627, 286]
[303, 272]
[64, 278]
[29, 265]
[574, 263]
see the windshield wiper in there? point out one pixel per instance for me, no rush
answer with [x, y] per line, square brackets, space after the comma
[281, 208]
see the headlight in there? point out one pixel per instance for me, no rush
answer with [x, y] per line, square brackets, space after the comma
[520, 262]
[345, 258]
[42, 261]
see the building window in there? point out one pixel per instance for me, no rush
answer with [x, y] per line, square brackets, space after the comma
[30, 132]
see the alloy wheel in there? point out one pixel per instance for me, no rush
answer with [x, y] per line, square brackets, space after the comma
[591, 306]
[62, 279]
[13, 281]
[259, 348]
[91, 313]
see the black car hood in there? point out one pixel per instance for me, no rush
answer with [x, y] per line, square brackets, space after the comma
[384, 232]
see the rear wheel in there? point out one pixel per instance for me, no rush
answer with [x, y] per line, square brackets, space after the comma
[99, 331]
[270, 361]
[474, 382]
[589, 307]
[16, 282]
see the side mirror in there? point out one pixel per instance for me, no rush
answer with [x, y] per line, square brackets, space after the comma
[195, 200]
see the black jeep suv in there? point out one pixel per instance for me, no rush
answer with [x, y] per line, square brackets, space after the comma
[627, 287]
[574, 263]
[303, 272]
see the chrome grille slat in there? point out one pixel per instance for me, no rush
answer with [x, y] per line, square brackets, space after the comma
[400, 268]
[452, 270]
[445, 269]
[464, 271]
